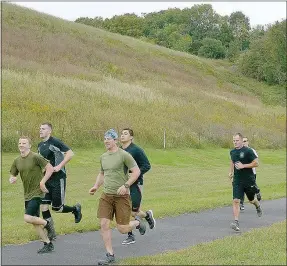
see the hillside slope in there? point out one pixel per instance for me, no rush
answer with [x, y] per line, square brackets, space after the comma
[85, 80]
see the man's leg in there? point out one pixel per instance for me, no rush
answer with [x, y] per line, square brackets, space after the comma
[32, 211]
[242, 204]
[251, 195]
[238, 191]
[58, 200]
[136, 197]
[39, 224]
[41, 232]
[105, 214]
[123, 208]
[131, 239]
[46, 214]
[236, 210]
[258, 194]
[150, 218]
[106, 233]
[148, 215]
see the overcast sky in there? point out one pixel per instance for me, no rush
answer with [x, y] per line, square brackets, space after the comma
[258, 12]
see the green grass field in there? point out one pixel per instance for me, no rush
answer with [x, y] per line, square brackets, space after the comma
[195, 179]
[261, 246]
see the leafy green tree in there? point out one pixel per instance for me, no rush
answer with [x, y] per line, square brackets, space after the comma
[256, 33]
[211, 48]
[184, 30]
[240, 26]
[171, 36]
[233, 51]
[127, 24]
[204, 22]
[95, 22]
[159, 20]
[195, 46]
[180, 42]
[266, 60]
[226, 34]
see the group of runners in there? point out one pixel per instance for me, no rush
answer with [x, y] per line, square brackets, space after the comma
[122, 167]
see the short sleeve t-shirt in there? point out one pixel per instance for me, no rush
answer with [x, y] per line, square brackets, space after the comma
[31, 170]
[53, 150]
[244, 155]
[254, 169]
[141, 160]
[115, 166]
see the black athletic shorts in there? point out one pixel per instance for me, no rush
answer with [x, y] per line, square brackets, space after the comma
[56, 194]
[136, 196]
[32, 207]
[249, 189]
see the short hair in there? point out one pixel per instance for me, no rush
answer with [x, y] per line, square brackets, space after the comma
[238, 134]
[129, 130]
[47, 124]
[27, 138]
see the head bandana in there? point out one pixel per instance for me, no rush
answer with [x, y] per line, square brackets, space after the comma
[111, 133]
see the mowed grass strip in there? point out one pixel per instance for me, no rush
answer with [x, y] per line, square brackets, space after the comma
[260, 246]
[194, 179]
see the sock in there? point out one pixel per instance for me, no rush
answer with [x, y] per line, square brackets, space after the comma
[138, 219]
[45, 226]
[138, 226]
[46, 214]
[147, 216]
[130, 233]
[67, 209]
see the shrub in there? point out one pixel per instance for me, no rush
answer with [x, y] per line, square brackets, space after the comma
[211, 48]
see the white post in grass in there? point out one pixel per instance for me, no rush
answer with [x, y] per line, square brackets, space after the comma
[164, 138]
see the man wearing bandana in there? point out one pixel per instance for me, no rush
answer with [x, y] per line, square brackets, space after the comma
[118, 172]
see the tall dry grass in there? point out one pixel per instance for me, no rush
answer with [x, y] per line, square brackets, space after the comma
[85, 80]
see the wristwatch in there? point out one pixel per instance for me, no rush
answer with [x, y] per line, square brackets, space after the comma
[126, 185]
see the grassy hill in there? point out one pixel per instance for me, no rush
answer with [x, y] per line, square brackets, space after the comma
[85, 80]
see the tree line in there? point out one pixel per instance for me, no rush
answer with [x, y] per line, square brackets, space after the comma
[258, 52]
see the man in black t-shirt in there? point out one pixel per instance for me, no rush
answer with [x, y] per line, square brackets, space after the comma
[258, 195]
[136, 188]
[59, 154]
[243, 160]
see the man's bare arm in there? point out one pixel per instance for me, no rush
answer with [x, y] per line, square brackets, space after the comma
[99, 182]
[67, 157]
[231, 171]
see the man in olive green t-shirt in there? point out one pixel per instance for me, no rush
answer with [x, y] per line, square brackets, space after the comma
[115, 199]
[31, 166]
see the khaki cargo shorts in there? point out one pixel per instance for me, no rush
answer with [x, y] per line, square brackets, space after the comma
[115, 205]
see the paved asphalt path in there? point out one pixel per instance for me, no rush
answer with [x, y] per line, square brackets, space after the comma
[170, 234]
